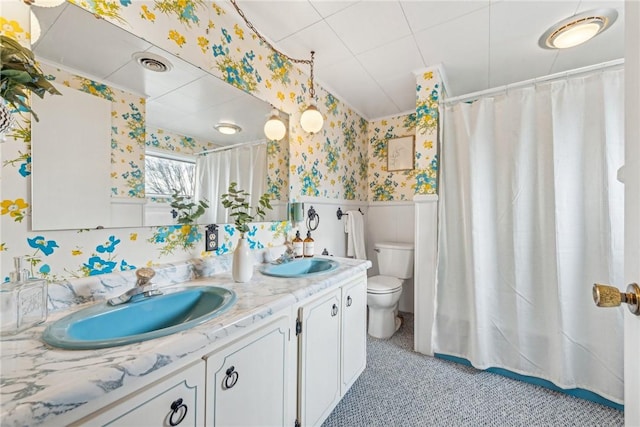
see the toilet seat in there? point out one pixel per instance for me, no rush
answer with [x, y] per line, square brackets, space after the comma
[383, 285]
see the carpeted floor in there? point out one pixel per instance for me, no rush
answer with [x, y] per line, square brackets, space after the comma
[401, 387]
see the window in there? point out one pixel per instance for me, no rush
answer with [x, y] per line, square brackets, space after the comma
[165, 173]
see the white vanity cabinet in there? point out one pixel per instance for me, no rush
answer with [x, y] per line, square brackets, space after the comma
[176, 400]
[285, 355]
[354, 332]
[332, 349]
[250, 382]
[319, 358]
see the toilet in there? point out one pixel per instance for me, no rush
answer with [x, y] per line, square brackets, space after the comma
[395, 263]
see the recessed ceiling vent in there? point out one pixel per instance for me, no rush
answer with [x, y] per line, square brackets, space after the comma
[152, 62]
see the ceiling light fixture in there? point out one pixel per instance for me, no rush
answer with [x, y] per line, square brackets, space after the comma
[577, 29]
[311, 119]
[274, 128]
[228, 128]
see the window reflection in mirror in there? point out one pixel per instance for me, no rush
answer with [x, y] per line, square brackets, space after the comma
[166, 174]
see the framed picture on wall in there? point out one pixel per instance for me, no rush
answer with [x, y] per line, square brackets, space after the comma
[401, 153]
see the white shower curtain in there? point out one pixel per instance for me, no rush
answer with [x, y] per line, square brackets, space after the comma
[531, 215]
[244, 164]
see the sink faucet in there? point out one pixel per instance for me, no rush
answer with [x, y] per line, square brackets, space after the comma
[143, 287]
[288, 254]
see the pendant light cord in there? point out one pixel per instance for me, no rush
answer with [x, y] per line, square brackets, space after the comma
[309, 62]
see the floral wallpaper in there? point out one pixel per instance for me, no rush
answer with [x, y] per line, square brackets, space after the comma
[278, 170]
[161, 139]
[423, 125]
[339, 162]
[428, 94]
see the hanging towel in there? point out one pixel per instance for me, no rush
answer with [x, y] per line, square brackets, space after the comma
[355, 235]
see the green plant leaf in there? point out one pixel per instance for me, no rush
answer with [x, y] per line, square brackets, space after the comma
[20, 74]
[236, 200]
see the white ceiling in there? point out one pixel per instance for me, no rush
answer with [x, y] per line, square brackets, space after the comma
[367, 54]
[368, 51]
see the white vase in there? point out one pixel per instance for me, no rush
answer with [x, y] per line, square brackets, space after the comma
[242, 268]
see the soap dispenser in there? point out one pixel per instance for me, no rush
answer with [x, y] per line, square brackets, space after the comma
[23, 300]
[298, 248]
[308, 245]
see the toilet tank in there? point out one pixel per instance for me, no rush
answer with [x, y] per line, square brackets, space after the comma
[395, 259]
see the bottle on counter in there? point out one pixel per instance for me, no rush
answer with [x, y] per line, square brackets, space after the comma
[23, 300]
[308, 245]
[298, 246]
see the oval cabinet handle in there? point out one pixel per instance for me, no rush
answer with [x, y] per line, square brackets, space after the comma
[179, 410]
[349, 301]
[334, 310]
[230, 379]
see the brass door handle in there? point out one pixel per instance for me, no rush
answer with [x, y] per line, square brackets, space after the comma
[609, 296]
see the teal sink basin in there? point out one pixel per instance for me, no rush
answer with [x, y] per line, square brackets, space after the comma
[300, 267]
[103, 325]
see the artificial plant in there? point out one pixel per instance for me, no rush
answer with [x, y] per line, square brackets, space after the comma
[238, 201]
[19, 75]
[187, 211]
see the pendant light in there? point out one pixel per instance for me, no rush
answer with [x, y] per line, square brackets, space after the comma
[35, 23]
[311, 119]
[274, 128]
[44, 3]
[35, 27]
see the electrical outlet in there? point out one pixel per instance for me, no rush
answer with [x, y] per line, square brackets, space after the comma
[211, 238]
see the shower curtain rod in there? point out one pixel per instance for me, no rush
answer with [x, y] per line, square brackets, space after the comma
[496, 90]
[230, 147]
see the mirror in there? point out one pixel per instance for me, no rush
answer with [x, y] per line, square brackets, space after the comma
[174, 111]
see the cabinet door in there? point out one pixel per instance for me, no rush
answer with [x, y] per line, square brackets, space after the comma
[175, 401]
[354, 332]
[247, 380]
[319, 358]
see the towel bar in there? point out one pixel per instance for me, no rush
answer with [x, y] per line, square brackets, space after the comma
[339, 214]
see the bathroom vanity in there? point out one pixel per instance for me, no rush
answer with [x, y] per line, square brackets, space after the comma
[284, 354]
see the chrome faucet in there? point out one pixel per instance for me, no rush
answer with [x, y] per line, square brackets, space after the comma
[143, 287]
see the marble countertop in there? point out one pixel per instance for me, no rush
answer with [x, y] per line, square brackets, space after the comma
[42, 385]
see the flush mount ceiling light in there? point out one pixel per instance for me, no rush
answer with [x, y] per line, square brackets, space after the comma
[311, 119]
[577, 29]
[152, 62]
[227, 128]
[274, 128]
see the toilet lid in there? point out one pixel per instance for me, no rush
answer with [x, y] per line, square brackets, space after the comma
[383, 284]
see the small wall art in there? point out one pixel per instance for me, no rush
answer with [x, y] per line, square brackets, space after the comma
[401, 153]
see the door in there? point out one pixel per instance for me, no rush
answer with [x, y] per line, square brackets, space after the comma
[354, 332]
[177, 400]
[632, 209]
[247, 381]
[319, 359]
